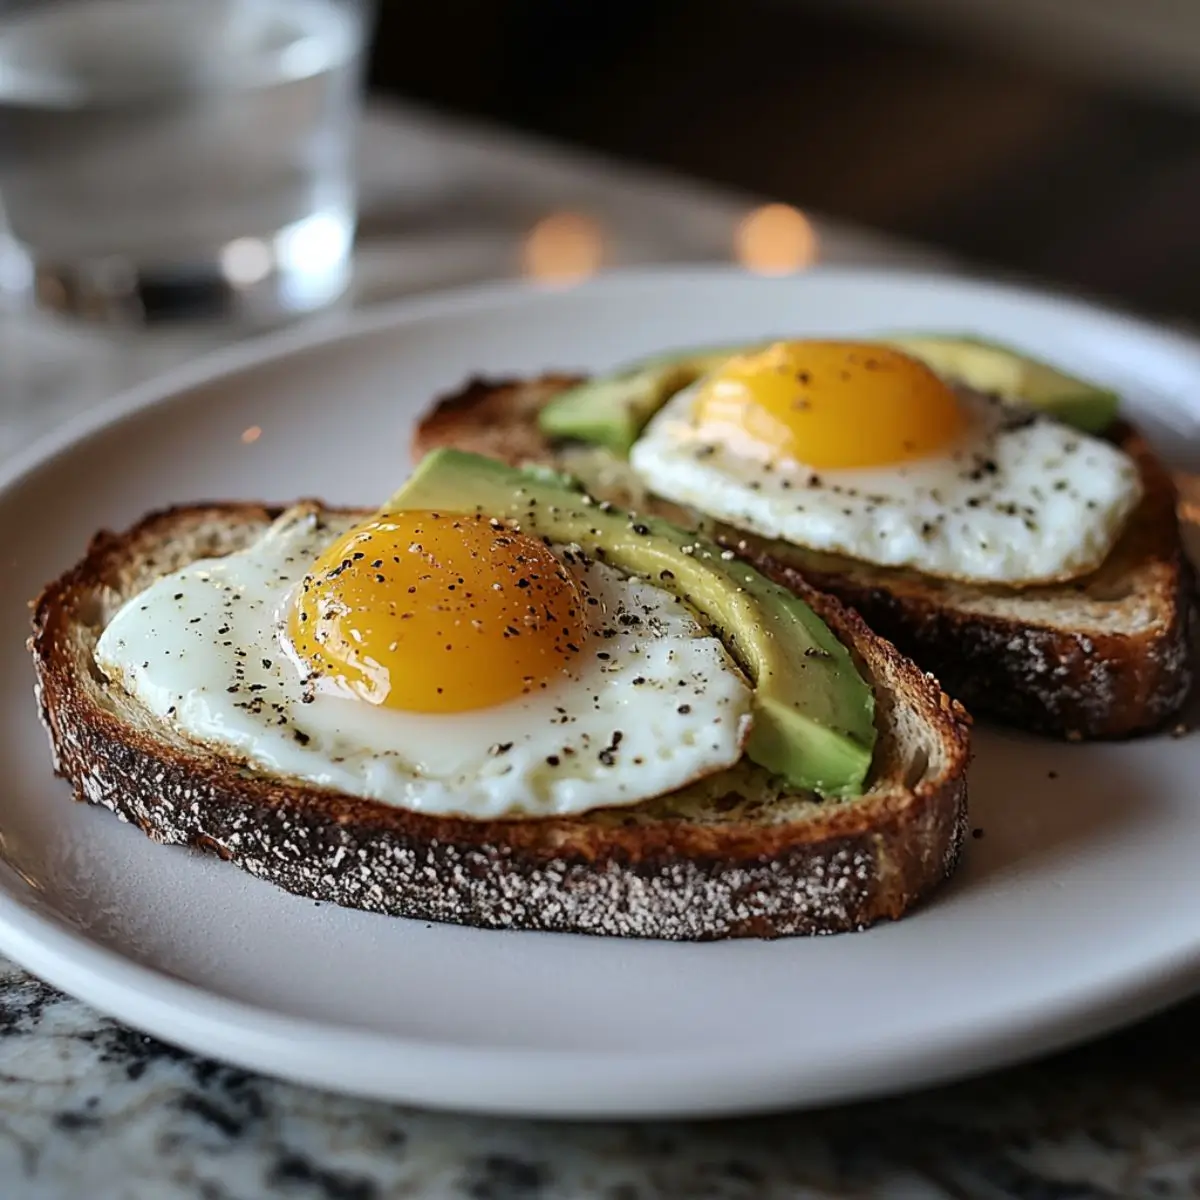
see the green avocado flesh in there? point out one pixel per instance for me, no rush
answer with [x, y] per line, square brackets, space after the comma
[813, 712]
[612, 410]
[1013, 376]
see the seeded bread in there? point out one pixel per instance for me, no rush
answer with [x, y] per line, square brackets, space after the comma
[732, 856]
[1105, 656]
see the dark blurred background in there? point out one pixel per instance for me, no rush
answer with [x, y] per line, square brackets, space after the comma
[1059, 138]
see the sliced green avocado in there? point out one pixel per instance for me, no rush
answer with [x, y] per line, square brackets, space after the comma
[1002, 371]
[611, 410]
[813, 712]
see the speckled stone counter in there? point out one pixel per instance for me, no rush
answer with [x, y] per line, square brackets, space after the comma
[90, 1109]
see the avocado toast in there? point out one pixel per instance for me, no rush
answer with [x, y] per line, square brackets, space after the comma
[848, 806]
[1103, 655]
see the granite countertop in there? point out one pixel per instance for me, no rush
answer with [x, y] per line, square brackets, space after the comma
[91, 1109]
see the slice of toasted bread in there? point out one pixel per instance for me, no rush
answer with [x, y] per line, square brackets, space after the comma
[1100, 657]
[729, 856]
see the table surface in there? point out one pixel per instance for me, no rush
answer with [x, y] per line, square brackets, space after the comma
[90, 1108]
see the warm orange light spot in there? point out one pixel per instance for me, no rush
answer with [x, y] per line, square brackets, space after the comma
[252, 434]
[775, 240]
[436, 613]
[563, 248]
[1189, 511]
[831, 404]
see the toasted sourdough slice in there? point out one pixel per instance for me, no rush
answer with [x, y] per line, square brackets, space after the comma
[726, 857]
[1105, 656]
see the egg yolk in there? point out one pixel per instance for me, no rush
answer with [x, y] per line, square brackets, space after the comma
[433, 612]
[831, 404]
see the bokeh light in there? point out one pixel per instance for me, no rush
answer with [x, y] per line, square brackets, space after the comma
[775, 239]
[563, 247]
[246, 261]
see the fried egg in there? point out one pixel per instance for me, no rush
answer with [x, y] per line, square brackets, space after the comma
[860, 450]
[441, 664]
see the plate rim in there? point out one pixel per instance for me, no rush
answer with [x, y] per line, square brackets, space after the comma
[207, 1023]
[400, 1069]
[258, 350]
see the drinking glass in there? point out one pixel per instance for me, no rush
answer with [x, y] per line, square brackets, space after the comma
[178, 158]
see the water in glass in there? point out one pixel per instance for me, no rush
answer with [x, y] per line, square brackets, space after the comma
[186, 153]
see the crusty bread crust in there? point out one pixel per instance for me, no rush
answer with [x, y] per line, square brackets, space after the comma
[646, 873]
[1106, 656]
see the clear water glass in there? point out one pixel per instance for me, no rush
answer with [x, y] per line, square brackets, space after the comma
[179, 158]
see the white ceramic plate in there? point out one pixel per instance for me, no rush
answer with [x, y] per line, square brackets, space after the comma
[1078, 909]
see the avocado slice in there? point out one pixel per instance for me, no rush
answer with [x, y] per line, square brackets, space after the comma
[1013, 376]
[813, 712]
[611, 410]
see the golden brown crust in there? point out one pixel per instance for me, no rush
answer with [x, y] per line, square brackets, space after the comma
[853, 864]
[496, 417]
[1060, 676]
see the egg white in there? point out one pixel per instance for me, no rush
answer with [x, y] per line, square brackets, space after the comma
[653, 702]
[1019, 499]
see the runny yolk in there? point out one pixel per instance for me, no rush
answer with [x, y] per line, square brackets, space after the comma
[430, 612]
[831, 404]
